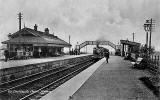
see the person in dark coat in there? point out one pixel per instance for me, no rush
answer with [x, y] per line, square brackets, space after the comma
[6, 54]
[106, 55]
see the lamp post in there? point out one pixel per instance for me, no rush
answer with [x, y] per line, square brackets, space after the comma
[147, 30]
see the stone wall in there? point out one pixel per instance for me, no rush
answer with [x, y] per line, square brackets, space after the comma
[21, 71]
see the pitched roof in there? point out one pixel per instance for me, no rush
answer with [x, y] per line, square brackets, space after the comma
[31, 31]
[38, 37]
[29, 39]
[127, 42]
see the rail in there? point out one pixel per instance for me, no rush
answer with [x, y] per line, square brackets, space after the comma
[45, 87]
[35, 79]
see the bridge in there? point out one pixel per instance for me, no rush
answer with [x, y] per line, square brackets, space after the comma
[97, 42]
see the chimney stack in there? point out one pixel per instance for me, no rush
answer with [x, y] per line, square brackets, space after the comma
[35, 27]
[9, 36]
[46, 30]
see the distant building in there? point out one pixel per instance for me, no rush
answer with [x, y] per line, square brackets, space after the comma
[129, 47]
[34, 43]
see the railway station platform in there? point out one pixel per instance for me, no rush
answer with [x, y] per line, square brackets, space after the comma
[15, 63]
[15, 69]
[115, 80]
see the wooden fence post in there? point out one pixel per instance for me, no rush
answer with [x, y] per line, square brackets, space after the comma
[154, 61]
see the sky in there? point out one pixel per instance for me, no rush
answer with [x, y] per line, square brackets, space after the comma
[83, 20]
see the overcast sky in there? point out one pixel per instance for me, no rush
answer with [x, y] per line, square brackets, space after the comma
[83, 19]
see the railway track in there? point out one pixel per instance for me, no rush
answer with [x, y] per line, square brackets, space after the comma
[10, 84]
[39, 84]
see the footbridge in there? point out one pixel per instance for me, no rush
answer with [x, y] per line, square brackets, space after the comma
[97, 43]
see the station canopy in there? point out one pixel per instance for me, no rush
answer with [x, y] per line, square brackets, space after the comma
[126, 42]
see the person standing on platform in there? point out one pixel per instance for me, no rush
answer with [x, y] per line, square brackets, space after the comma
[6, 54]
[106, 55]
[27, 54]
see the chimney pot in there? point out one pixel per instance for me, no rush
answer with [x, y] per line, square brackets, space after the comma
[35, 27]
[9, 36]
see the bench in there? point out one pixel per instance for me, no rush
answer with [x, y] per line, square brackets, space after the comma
[138, 61]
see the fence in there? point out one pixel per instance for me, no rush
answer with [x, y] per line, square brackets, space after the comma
[154, 63]
[154, 67]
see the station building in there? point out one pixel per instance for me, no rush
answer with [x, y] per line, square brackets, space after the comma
[34, 43]
[130, 47]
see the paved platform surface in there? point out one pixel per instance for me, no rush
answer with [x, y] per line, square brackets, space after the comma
[70, 87]
[14, 63]
[115, 81]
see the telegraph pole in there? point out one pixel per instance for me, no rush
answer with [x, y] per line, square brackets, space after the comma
[20, 18]
[147, 39]
[151, 21]
[133, 36]
[148, 26]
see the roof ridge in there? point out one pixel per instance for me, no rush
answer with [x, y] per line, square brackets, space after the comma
[32, 32]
